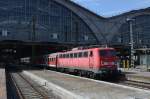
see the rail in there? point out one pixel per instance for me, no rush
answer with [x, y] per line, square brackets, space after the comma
[136, 84]
[27, 89]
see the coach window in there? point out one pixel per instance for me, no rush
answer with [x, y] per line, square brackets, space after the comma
[67, 55]
[75, 55]
[85, 54]
[63, 55]
[80, 54]
[71, 55]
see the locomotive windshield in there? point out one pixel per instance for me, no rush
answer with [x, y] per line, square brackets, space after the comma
[108, 53]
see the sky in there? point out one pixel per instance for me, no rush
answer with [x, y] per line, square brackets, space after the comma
[108, 8]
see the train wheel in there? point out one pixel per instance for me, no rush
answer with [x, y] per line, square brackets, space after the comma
[62, 70]
[80, 73]
[97, 76]
[75, 72]
[92, 75]
[88, 74]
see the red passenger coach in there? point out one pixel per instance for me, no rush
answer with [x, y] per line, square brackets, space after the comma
[92, 61]
[52, 60]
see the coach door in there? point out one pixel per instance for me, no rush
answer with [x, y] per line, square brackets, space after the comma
[91, 60]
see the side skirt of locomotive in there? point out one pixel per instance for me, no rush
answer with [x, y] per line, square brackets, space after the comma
[104, 73]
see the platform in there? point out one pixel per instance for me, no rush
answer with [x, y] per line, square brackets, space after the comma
[84, 88]
[3, 91]
[136, 75]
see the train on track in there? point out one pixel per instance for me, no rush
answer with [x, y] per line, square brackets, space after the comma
[92, 62]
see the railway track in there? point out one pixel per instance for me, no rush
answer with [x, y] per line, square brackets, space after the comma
[136, 84]
[28, 89]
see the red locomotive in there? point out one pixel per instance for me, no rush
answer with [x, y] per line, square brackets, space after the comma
[84, 61]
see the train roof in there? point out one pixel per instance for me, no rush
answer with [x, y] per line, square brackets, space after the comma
[82, 48]
[86, 49]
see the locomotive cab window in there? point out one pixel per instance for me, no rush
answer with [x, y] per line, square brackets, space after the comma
[63, 55]
[107, 53]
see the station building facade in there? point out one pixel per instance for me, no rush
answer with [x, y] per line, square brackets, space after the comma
[67, 22]
[47, 21]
